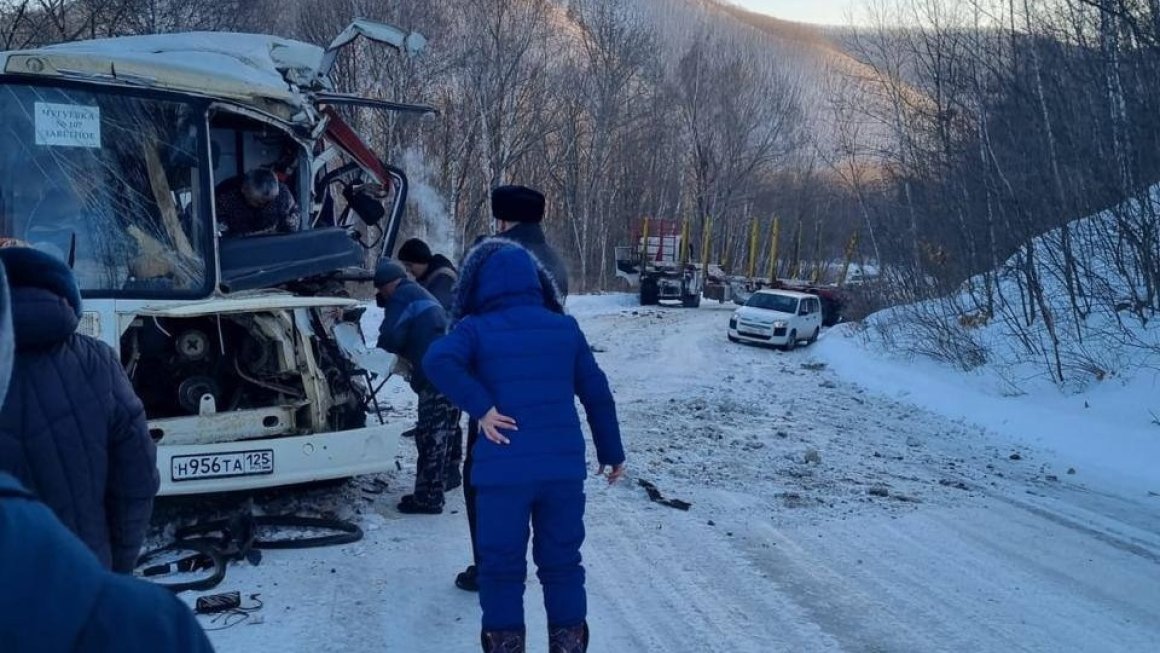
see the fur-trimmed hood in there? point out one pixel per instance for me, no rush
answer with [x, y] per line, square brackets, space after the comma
[499, 273]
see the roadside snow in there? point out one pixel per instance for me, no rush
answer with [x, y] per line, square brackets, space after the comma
[825, 517]
[1107, 432]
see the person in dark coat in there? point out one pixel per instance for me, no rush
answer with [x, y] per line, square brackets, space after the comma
[72, 430]
[256, 203]
[518, 212]
[57, 597]
[412, 320]
[516, 363]
[437, 275]
[434, 272]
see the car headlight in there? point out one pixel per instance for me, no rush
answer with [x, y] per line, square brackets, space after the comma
[780, 324]
[732, 323]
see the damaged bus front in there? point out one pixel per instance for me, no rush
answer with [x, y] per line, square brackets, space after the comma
[116, 156]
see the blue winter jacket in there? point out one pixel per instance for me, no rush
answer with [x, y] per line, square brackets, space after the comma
[55, 597]
[514, 350]
[412, 320]
[72, 430]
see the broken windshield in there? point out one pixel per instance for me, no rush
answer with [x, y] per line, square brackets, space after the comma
[112, 182]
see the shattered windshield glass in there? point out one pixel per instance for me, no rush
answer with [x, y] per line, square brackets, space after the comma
[111, 181]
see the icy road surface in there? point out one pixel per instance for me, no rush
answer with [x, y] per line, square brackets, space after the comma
[823, 518]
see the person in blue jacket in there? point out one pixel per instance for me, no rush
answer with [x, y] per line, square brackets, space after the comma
[518, 212]
[55, 595]
[516, 363]
[412, 320]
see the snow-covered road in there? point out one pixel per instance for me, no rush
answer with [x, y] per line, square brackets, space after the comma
[824, 518]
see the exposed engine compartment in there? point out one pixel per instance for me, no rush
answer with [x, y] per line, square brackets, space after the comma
[243, 361]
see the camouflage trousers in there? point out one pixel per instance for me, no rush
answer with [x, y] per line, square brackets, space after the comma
[438, 426]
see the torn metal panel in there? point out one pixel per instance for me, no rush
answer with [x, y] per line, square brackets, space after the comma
[227, 426]
[412, 43]
[269, 301]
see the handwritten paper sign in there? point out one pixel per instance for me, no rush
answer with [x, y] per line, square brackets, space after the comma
[68, 125]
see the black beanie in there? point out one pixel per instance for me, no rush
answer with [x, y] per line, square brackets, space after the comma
[415, 251]
[517, 204]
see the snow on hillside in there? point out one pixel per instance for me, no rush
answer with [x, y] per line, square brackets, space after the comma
[1001, 370]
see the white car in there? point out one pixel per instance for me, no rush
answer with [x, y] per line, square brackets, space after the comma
[780, 318]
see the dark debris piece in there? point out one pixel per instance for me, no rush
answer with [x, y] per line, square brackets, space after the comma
[655, 495]
[955, 484]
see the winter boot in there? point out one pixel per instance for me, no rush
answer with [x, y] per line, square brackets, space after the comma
[573, 639]
[468, 579]
[452, 477]
[502, 641]
[409, 505]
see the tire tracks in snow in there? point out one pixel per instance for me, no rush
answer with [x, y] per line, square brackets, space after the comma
[701, 595]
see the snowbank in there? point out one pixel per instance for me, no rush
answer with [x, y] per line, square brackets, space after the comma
[990, 357]
[1105, 434]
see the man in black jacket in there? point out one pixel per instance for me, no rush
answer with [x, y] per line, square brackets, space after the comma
[437, 276]
[518, 212]
[432, 271]
[72, 429]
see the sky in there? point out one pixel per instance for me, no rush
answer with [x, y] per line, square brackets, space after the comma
[825, 12]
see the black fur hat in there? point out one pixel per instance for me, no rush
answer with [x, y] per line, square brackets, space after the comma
[517, 204]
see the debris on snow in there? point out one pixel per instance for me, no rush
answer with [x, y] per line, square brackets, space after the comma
[655, 495]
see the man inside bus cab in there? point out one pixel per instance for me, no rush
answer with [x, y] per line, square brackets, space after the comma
[256, 203]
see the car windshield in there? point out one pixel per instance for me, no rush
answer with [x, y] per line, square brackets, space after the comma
[109, 180]
[771, 302]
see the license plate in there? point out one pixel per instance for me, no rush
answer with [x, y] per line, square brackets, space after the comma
[222, 465]
[750, 332]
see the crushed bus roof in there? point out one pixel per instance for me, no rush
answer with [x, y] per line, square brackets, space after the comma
[267, 72]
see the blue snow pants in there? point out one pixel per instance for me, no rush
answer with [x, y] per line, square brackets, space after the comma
[555, 511]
